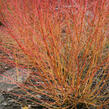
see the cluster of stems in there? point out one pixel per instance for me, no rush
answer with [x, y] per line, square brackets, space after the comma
[65, 45]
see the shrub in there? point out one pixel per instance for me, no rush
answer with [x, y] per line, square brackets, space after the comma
[66, 42]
